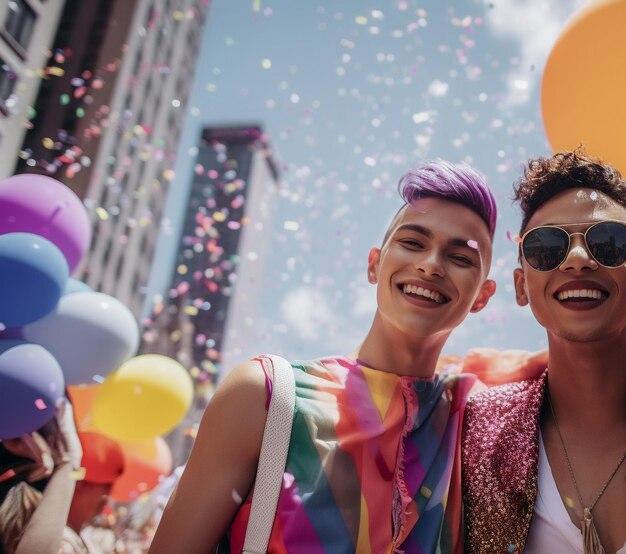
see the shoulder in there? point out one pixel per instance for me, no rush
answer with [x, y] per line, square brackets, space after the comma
[234, 419]
[503, 398]
[248, 373]
[244, 382]
[242, 390]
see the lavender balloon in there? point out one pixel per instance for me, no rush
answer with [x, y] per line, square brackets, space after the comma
[31, 384]
[44, 206]
[89, 333]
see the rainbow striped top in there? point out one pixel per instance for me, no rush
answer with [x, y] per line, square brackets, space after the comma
[373, 464]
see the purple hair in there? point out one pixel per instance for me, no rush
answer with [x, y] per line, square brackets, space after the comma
[454, 182]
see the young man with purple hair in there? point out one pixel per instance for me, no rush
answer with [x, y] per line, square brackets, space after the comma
[374, 460]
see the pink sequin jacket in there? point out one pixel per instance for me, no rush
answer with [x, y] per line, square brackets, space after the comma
[500, 452]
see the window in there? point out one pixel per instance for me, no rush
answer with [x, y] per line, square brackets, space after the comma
[20, 22]
[7, 81]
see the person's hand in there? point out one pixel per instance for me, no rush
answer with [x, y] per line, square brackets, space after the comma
[67, 425]
[63, 439]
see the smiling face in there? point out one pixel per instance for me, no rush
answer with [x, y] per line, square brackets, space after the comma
[581, 300]
[432, 269]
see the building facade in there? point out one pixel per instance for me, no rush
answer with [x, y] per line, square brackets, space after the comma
[26, 34]
[214, 292]
[123, 101]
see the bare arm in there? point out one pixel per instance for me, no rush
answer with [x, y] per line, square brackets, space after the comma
[44, 531]
[221, 467]
[56, 456]
[498, 367]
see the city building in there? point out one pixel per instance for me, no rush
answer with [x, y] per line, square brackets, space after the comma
[75, 96]
[109, 126]
[214, 296]
[225, 235]
[214, 292]
[27, 29]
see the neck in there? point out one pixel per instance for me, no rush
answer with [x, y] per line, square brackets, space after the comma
[587, 381]
[395, 352]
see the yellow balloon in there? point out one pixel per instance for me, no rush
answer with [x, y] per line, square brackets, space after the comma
[145, 397]
[583, 93]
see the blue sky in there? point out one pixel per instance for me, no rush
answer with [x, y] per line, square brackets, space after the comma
[352, 94]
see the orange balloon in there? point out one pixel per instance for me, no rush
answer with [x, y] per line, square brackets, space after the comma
[103, 458]
[584, 83]
[82, 398]
[146, 463]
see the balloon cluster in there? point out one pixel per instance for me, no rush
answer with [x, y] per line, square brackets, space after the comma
[55, 331]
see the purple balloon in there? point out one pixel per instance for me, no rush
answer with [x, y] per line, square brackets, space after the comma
[44, 206]
[31, 384]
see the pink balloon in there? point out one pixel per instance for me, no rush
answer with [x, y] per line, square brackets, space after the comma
[44, 206]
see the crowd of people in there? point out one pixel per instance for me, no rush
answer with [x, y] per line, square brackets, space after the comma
[390, 451]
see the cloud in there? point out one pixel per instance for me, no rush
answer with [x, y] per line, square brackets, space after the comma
[534, 25]
[365, 302]
[307, 312]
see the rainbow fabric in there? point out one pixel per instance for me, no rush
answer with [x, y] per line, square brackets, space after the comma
[373, 464]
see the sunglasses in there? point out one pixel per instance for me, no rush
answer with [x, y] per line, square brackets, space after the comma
[545, 248]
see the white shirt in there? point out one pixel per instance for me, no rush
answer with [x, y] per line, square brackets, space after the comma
[551, 529]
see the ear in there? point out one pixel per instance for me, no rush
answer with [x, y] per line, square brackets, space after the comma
[520, 287]
[372, 265]
[487, 290]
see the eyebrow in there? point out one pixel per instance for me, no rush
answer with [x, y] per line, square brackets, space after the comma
[463, 243]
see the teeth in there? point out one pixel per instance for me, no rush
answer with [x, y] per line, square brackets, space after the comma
[581, 293]
[427, 293]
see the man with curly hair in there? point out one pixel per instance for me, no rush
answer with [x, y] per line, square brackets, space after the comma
[543, 460]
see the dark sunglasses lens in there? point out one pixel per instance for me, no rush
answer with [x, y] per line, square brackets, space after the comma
[607, 243]
[545, 248]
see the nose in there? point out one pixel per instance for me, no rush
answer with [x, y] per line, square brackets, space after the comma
[578, 257]
[430, 264]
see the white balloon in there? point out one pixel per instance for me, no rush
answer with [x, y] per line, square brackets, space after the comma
[89, 333]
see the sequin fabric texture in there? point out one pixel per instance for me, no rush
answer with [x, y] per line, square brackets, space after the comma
[500, 451]
[373, 464]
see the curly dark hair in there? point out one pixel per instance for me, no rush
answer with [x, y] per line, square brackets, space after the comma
[546, 177]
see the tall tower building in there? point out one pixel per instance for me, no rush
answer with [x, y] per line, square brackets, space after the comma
[215, 290]
[123, 97]
[27, 29]
[216, 286]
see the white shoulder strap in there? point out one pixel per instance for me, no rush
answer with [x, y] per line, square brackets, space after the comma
[273, 457]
